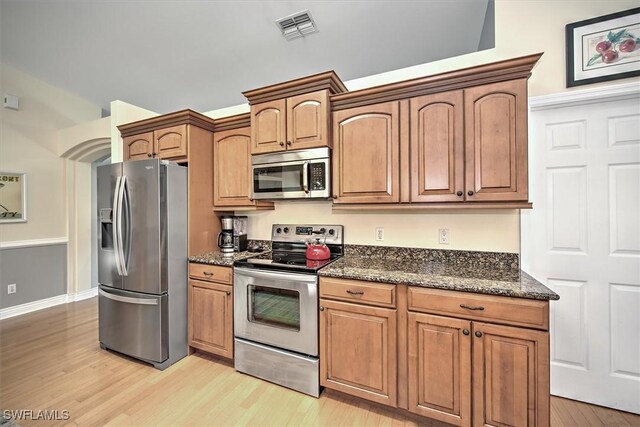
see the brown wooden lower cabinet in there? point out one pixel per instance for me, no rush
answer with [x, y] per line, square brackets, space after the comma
[358, 350]
[510, 376]
[461, 371]
[211, 317]
[440, 368]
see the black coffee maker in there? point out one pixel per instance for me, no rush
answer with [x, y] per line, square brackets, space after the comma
[225, 237]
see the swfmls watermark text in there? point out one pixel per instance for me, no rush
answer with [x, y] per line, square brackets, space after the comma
[36, 414]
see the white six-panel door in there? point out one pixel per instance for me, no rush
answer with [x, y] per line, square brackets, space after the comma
[582, 239]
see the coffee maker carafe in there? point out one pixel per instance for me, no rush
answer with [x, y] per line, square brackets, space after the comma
[225, 237]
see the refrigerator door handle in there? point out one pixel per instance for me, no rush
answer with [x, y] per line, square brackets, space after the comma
[120, 249]
[116, 224]
[129, 300]
[125, 239]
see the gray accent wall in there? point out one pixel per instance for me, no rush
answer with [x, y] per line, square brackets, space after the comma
[39, 272]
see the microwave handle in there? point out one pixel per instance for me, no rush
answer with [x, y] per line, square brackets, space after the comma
[305, 176]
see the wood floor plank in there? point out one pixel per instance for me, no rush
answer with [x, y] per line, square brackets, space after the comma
[50, 359]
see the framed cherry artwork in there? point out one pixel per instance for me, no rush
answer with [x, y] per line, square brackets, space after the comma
[603, 48]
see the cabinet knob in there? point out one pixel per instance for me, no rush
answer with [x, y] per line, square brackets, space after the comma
[334, 196]
[321, 308]
[478, 334]
[228, 292]
[149, 154]
[459, 193]
[470, 193]
[281, 144]
[465, 331]
[289, 143]
[207, 273]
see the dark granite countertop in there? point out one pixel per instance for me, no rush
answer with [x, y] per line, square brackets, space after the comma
[218, 258]
[484, 279]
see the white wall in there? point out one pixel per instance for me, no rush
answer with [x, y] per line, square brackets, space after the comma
[29, 143]
[478, 230]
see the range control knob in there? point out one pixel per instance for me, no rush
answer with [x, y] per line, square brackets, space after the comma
[323, 230]
[286, 230]
[278, 230]
[332, 232]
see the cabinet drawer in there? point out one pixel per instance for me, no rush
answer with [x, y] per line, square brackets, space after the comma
[507, 310]
[213, 273]
[381, 294]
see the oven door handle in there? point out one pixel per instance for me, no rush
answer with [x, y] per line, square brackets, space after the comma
[280, 275]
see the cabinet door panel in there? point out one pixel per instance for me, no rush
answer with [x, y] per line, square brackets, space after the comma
[268, 126]
[211, 317]
[496, 141]
[366, 154]
[440, 368]
[171, 142]
[510, 376]
[358, 350]
[307, 120]
[138, 147]
[437, 147]
[232, 168]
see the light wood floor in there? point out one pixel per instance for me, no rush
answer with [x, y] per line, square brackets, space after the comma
[51, 359]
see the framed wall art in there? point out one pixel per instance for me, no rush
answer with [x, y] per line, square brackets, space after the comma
[603, 48]
[13, 197]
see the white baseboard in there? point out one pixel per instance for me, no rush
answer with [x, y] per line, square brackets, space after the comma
[29, 307]
[79, 296]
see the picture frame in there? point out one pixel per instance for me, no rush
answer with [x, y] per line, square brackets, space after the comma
[13, 197]
[603, 48]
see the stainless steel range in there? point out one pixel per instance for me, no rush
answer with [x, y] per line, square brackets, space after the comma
[276, 308]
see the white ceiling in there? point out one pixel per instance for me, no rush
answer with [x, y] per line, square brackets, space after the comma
[166, 55]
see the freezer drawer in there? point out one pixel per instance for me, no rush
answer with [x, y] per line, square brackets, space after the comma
[134, 324]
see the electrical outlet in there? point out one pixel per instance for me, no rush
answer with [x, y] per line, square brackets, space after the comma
[444, 236]
[11, 289]
[379, 234]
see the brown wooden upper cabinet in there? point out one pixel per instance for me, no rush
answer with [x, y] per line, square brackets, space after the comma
[163, 137]
[166, 143]
[473, 150]
[293, 115]
[366, 166]
[232, 179]
[232, 168]
[290, 124]
[429, 146]
[496, 141]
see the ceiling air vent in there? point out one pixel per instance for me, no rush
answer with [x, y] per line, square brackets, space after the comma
[297, 25]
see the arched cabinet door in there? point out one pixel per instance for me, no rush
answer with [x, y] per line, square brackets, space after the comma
[366, 154]
[232, 168]
[437, 147]
[138, 147]
[268, 127]
[496, 142]
[171, 142]
[307, 116]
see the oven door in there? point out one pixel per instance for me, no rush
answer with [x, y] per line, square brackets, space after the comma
[277, 308]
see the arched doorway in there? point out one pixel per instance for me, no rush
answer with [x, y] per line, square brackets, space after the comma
[80, 162]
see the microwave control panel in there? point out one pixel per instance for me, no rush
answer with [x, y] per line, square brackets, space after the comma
[317, 174]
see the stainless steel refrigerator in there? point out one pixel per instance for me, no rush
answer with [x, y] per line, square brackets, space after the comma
[142, 260]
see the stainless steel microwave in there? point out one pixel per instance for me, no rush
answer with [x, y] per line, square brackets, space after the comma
[301, 174]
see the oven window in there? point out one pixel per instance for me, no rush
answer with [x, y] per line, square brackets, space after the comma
[277, 179]
[274, 307]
